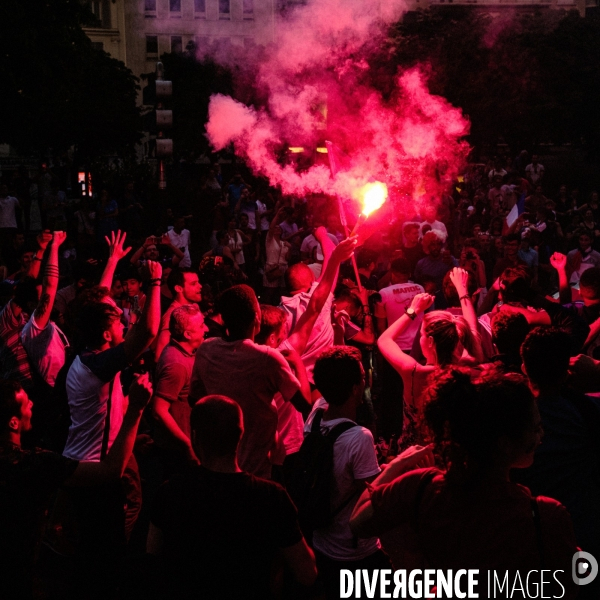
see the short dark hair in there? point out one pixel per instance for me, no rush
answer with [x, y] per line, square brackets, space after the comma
[131, 273]
[401, 266]
[337, 370]
[237, 306]
[509, 331]
[94, 319]
[218, 425]
[511, 237]
[365, 257]
[271, 319]
[177, 277]
[546, 353]
[9, 406]
[515, 284]
[590, 279]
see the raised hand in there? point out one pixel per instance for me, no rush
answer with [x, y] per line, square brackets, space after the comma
[421, 302]
[43, 239]
[558, 261]
[140, 392]
[115, 245]
[460, 278]
[58, 237]
[345, 249]
[155, 269]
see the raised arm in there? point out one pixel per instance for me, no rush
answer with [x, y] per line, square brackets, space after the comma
[43, 239]
[140, 336]
[386, 342]
[559, 262]
[115, 253]
[178, 255]
[460, 278]
[137, 255]
[327, 246]
[113, 465]
[50, 283]
[301, 333]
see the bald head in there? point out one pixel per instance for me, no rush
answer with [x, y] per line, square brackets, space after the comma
[299, 278]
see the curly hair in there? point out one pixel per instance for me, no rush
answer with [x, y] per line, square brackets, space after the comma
[466, 419]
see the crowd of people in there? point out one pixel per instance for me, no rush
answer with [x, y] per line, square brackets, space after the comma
[242, 400]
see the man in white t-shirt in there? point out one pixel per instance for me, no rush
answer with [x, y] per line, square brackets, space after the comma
[180, 238]
[42, 339]
[534, 171]
[395, 300]
[310, 242]
[340, 377]
[301, 284]
[248, 373]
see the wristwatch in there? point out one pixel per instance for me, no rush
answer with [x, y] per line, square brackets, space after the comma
[410, 313]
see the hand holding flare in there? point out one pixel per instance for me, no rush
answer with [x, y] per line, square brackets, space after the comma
[373, 195]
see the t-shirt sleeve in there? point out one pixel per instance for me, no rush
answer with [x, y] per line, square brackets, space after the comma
[105, 365]
[284, 380]
[363, 458]
[286, 528]
[170, 380]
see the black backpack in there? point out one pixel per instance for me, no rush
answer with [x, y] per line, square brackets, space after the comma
[309, 482]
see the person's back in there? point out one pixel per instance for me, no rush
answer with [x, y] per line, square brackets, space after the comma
[567, 463]
[246, 372]
[217, 529]
[221, 532]
[251, 375]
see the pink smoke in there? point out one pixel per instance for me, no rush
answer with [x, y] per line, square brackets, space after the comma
[410, 140]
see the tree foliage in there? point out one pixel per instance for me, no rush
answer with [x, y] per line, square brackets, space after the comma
[524, 78]
[57, 90]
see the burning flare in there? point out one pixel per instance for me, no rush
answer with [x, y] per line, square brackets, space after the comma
[372, 196]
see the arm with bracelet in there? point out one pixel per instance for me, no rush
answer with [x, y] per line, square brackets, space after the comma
[43, 239]
[50, 282]
[460, 280]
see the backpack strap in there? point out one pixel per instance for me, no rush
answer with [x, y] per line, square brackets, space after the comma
[106, 434]
[316, 424]
[535, 510]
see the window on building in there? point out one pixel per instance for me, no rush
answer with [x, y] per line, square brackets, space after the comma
[175, 7]
[101, 10]
[248, 9]
[151, 46]
[224, 9]
[199, 8]
[176, 44]
[150, 8]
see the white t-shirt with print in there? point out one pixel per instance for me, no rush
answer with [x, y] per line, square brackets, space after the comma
[354, 459]
[45, 348]
[396, 299]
